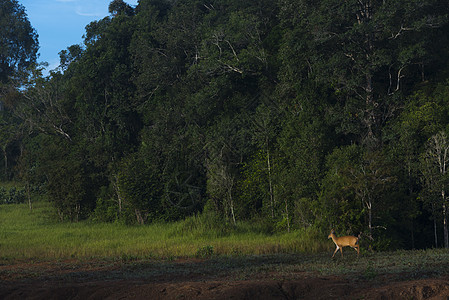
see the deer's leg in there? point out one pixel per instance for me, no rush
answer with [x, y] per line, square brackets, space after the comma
[336, 251]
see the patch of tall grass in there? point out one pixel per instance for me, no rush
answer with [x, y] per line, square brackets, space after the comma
[37, 235]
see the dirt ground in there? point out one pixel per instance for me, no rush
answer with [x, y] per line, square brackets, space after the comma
[201, 279]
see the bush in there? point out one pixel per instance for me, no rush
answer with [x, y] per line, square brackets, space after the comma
[205, 251]
[106, 210]
[3, 195]
[13, 195]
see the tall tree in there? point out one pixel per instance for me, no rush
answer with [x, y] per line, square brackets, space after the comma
[435, 169]
[424, 114]
[18, 52]
[366, 50]
[19, 44]
[120, 7]
[10, 136]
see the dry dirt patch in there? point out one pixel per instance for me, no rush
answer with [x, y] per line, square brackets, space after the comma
[199, 279]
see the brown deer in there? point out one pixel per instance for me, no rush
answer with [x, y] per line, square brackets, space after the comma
[344, 241]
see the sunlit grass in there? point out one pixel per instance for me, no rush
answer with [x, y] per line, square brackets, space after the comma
[36, 234]
[241, 251]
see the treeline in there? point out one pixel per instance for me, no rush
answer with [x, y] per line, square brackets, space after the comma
[291, 113]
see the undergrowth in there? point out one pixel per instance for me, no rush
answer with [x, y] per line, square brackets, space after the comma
[37, 234]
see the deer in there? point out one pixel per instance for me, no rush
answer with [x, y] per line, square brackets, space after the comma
[344, 241]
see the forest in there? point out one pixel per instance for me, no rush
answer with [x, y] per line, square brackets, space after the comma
[290, 113]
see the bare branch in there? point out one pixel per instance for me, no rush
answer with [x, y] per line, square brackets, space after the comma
[400, 32]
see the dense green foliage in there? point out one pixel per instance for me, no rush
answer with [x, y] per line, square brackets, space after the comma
[288, 113]
[18, 43]
[18, 52]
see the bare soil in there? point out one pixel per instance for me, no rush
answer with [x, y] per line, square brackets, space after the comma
[222, 278]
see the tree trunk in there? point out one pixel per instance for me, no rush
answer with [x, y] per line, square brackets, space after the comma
[270, 184]
[119, 197]
[231, 201]
[286, 214]
[446, 240]
[61, 215]
[364, 15]
[5, 156]
[369, 205]
[232, 212]
[435, 232]
[139, 216]
[77, 212]
[370, 118]
[119, 205]
[27, 186]
[410, 192]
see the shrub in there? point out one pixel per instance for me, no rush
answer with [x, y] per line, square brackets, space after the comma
[106, 210]
[3, 195]
[13, 195]
[205, 251]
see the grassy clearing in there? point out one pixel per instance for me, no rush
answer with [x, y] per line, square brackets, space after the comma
[395, 265]
[145, 251]
[35, 234]
[371, 265]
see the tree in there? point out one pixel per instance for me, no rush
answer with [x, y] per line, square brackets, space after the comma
[66, 57]
[10, 136]
[220, 185]
[255, 191]
[227, 145]
[303, 141]
[66, 171]
[435, 171]
[258, 189]
[369, 181]
[338, 204]
[424, 114]
[355, 189]
[119, 6]
[367, 51]
[19, 44]
[18, 53]
[43, 107]
[140, 186]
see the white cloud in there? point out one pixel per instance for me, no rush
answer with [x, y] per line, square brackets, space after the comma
[79, 11]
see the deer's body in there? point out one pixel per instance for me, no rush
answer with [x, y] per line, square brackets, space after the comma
[344, 241]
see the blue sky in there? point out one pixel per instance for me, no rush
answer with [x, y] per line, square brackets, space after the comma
[61, 23]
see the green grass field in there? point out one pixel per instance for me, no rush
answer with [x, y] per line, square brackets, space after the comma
[36, 235]
[36, 250]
